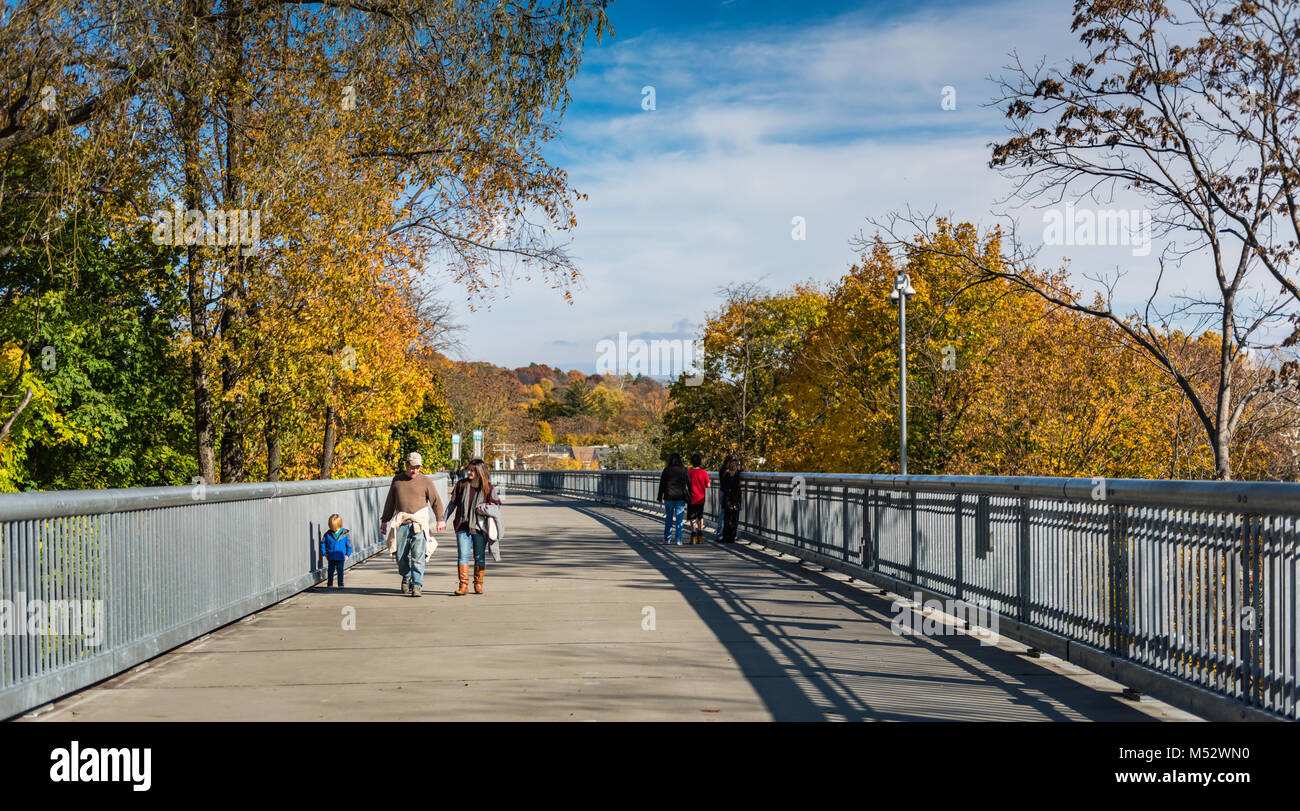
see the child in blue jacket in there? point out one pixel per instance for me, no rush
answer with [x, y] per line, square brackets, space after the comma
[335, 546]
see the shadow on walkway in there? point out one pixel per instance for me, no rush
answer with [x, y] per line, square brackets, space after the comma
[848, 674]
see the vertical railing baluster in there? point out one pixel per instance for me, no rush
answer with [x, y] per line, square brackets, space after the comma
[1022, 536]
[958, 575]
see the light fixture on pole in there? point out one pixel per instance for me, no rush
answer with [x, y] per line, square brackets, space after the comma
[902, 284]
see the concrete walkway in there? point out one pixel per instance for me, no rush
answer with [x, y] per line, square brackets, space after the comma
[588, 617]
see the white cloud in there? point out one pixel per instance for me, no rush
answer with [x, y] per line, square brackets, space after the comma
[835, 124]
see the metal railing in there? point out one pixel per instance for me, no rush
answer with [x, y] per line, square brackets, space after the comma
[94, 582]
[1193, 583]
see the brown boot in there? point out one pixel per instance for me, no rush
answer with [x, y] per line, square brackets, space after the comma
[463, 571]
[478, 579]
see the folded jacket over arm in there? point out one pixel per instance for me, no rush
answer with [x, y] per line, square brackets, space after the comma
[423, 523]
[496, 528]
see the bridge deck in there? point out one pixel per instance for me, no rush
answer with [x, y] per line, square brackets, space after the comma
[739, 634]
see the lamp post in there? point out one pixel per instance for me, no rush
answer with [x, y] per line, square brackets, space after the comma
[902, 284]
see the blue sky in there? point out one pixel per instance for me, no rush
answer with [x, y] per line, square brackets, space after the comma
[764, 111]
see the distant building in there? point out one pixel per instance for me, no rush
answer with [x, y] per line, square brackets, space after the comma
[571, 457]
[543, 459]
[586, 455]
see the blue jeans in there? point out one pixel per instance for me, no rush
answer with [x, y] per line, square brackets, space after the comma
[410, 554]
[674, 512]
[464, 540]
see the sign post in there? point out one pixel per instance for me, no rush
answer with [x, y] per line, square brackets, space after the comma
[455, 447]
[478, 443]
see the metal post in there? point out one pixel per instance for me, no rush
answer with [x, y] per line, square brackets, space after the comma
[1120, 621]
[867, 523]
[1252, 619]
[902, 384]
[902, 291]
[1025, 566]
[957, 549]
[911, 519]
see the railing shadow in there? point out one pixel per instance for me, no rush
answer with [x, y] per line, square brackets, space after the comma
[840, 688]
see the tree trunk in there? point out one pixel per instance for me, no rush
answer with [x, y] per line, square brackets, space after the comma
[188, 126]
[233, 311]
[204, 426]
[272, 457]
[271, 436]
[232, 429]
[327, 445]
[9, 423]
[1222, 444]
[1221, 439]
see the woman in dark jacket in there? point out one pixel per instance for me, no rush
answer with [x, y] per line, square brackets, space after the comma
[674, 490]
[465, 514]
[729, 485]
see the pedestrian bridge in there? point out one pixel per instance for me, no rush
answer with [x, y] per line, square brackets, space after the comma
[589, 617]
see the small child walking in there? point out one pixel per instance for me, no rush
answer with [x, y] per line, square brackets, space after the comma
[335, 546]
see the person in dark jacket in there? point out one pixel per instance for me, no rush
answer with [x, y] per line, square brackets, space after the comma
[335, 546]
[465, 512]
[719, 519]
[674, 490]
[729, 487]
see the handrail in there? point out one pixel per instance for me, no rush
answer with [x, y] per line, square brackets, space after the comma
[59, 503]
[1272, 497]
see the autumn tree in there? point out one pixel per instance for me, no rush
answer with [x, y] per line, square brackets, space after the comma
[1004, 381]
[739, 405]
[485, 397]
[203, 87]
[544, 433]
[1191, 106]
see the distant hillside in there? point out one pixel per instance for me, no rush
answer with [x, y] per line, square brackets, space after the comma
[535, 406]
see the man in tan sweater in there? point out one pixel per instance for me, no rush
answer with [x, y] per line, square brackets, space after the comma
[410, 493]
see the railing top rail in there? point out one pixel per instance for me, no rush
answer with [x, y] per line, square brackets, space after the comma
[1248, 497]
[60, 503]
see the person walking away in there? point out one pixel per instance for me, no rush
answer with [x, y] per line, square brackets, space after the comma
[699, 488]
[409, 494]
[473, 509]
[335, 547]
[729, 485]
[719, 518]
[674, 491]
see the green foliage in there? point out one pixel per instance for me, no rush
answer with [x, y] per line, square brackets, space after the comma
[579, 399]
[639, 450]
[750, 347]
[547, 409]
[428, 432]
[100, 308]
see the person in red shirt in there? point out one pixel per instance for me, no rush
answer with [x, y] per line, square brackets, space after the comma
[695, 509]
